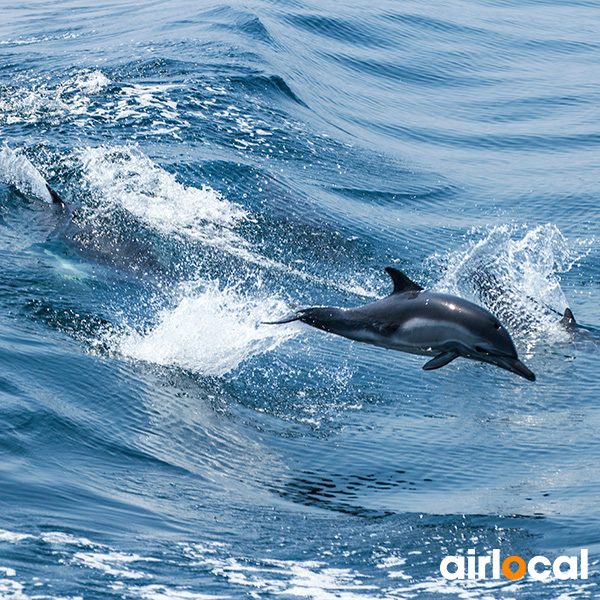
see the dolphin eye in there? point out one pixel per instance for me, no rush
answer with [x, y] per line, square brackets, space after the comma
[496, 325]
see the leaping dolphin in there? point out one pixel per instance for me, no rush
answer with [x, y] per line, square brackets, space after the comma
[416, 321]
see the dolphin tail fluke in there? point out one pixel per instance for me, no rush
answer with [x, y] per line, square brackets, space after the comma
[441, 360]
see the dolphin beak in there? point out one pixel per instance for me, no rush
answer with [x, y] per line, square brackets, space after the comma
[516, 366]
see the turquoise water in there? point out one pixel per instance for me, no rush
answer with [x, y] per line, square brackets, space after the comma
[225, 163]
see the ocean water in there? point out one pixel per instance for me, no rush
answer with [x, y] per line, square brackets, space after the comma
[226, 162]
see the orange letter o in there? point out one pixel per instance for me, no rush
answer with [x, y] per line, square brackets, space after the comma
[508, 572]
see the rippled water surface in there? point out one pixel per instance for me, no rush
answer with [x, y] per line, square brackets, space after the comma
[225, 163]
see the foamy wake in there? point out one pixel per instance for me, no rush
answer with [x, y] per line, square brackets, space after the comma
[325, 576]
[16, 169]
[210, 331]
[515, 271]
[37, 101]
[125, 177]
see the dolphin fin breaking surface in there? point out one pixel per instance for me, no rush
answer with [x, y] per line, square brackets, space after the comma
[568, 319]
[56, 199]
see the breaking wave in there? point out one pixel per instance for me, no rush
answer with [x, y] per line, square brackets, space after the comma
[515, 271]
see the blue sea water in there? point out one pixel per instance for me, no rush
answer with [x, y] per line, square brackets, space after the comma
[225, 162]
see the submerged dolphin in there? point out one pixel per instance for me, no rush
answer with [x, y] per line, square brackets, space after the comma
[413, 320]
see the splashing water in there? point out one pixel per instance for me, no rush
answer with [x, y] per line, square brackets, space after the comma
[41, 102]
[125, 177]
[514, 270]
[210, 331]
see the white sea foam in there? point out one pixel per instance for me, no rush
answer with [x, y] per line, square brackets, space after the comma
[304, 579]
[127, 574]
[16, 169]
[90, 82]
[163, 592]
[60, 538]
[12, 590]
[210, 331]
[8, 571]
[42, 102]
[13, 537]
[82, 99]
[125, 177]
[136, 99]
[393, 564]
[112, 563]
[298, 578]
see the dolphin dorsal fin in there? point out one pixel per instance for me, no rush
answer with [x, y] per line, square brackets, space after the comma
[568, 319]
[401, 282]
[56, 199]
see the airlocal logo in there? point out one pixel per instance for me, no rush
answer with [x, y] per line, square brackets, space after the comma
[514, 567]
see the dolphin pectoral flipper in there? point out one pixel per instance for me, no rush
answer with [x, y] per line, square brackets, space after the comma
[401, 282]
[441, 360]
